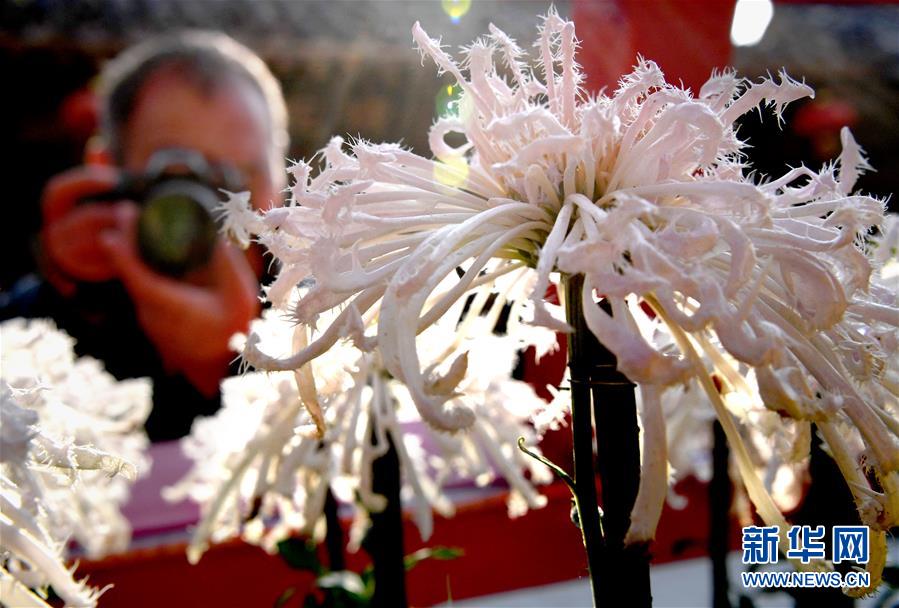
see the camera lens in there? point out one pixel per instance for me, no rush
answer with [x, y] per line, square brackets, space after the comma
[176, 231]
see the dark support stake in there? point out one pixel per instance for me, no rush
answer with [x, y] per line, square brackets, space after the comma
[384, 541]
[582, 435]
[334, 541]
[827, 503]
[619, 575]
[625, 580]
[720, 498]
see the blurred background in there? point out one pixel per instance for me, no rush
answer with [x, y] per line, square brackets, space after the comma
[347, 67]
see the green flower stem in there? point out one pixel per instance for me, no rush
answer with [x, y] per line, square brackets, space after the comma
[559, 471]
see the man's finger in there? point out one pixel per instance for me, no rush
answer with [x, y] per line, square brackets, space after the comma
[72, 243]
[64, 191]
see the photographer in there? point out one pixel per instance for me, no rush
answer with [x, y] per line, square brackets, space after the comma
[132, 267]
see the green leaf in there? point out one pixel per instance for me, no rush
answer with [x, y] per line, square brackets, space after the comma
[300, 554]
[368, 578]
[441, 553]
[285, 597]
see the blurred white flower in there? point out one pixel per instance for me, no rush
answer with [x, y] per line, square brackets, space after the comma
[71, 438]
[262, 470]
[647, 194]
[885, 253]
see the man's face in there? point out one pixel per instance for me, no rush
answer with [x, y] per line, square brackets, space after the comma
[228, 125]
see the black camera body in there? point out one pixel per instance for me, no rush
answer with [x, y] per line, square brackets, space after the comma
[178, 193]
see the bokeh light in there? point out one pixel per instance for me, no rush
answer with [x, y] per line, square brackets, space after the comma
[446, 102]
[751, 19]
[451, 171]
[456, 8]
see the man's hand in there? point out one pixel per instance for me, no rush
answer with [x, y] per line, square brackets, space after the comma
[70, 233]
[188, 321]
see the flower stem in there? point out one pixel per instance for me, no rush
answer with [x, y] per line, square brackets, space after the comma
[619, 574]
[384, 541]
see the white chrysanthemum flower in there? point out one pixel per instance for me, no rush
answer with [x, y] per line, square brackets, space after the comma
[646, 194]
[777, 447]
[238, 221]
[71, 438]
[262, 470]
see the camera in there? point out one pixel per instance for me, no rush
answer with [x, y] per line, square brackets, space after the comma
[178, 193]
